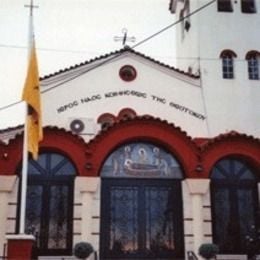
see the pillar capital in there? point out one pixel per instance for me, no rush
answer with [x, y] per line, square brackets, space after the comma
[197, 186]
[87, 184]
[7, 183]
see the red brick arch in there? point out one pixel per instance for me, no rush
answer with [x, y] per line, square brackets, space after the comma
[55, 140]
[231, 145]
[145, 129]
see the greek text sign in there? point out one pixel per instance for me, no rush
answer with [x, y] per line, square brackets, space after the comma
[117, 94]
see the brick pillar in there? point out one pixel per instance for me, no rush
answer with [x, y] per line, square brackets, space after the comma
[19, 247]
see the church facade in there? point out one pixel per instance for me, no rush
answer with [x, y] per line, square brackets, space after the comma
[143, 160]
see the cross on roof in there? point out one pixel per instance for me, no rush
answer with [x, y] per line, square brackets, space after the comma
[124, 38]
[31, 6]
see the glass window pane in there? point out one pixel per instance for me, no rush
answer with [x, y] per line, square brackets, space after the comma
[159, 220]
[35, 169]
[253, 68]
[51, 164]
[33, 209]
[246, 214]
[221, 215]
[124, 221]
[58, 217]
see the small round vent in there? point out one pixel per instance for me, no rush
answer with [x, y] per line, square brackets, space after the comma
[77, 126]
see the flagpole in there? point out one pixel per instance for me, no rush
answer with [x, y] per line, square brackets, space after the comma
[25, 138]
[24, 175]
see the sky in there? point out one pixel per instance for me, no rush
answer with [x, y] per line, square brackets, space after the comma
[69, 32]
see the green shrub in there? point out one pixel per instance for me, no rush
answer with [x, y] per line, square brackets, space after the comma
[208, 250]
[83, 250]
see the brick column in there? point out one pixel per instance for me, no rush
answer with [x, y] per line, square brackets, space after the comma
[19, 246]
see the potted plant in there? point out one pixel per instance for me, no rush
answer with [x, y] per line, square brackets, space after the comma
[208, 250]
[82, 250]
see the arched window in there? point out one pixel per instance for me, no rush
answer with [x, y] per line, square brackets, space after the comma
[252, 58]
[227, 57]
[49, 204]
[235, 205]
[141, 212]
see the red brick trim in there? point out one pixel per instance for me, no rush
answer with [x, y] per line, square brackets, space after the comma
[126, 113]
[197, 159]
[144, 129]
[55, 140]
[239, 146]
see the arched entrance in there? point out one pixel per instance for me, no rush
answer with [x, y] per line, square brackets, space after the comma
[141, 211]
[49, 206]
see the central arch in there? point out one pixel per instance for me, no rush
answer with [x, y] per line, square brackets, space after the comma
[141, 211]
[148, 129]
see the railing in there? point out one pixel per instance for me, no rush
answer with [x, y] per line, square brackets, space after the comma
[191, 255]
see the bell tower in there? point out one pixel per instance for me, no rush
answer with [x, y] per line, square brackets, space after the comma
[219, 41]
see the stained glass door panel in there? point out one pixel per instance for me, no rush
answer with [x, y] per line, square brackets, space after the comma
[141, 219]
[58, 217]
[123, 219]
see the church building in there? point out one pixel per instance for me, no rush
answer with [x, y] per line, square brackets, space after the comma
[143, 160]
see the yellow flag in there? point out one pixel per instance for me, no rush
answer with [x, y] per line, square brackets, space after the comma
[31, 95]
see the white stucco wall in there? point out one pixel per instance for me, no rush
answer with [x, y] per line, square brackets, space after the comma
[161, 92]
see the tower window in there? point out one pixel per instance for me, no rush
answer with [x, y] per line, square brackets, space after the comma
[248, 6]
[228, 64]
[228, 68]
[225, 6]
[253, 64]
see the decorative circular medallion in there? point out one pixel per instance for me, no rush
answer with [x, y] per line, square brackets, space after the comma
[127, 73]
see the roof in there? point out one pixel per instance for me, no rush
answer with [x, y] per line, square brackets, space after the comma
[227, 136]
[115, 54]
[10, 133]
